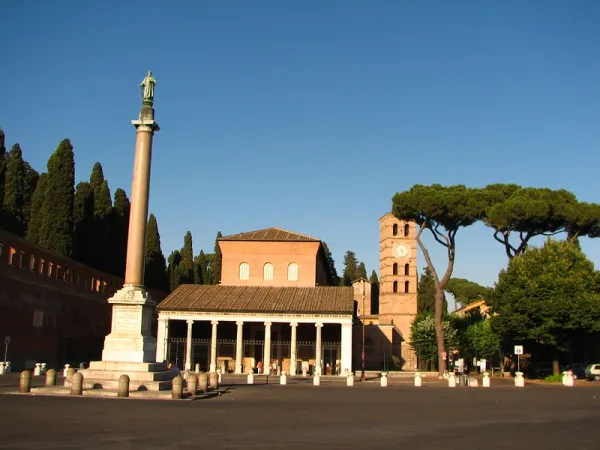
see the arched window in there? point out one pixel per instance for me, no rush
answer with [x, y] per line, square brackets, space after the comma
[406, 269]
[244, 271]
[395, 229]
[395, 288]
[395, 269]
[293, 272]
[268, 271]
[406, 229]
[406, 285]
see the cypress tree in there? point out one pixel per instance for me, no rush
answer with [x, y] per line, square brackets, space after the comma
[97, 178]
[84, 223]
[217, 262]
[374, 293]
[2, 168]
[31, 181]
[13, 219]
[186, 266]
[335, 279]
[200, 269]
[361, 271]
[119, 229]
[155, 272]
[173, 270]
[36, 212]
[101, 255]
[350, 268]
[57, 222]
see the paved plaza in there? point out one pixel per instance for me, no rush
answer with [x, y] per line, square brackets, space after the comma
[302, 416]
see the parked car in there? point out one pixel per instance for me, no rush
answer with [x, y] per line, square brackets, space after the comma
[592, 372]
[578, 369]
[544, 369]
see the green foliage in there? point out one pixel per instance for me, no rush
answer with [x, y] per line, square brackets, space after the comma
[482, 340]
[173, 271]
[350, 268]
[186, 267]
[465, 291]
[13, 219]
[373, 278]
[361, 272]
[83, 218]
[119, 229]
[557, 378]
[37, 205]
[374, 293]
[2, 168]
[155, 272]
[335, 279]
[426, 292]
[423, 336]
[547, 295]
[200, 269]
[217, 262]
[57, 222]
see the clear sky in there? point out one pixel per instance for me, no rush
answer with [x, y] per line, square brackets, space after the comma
[310, 115]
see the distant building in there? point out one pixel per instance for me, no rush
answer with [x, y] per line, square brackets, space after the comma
[479, 305]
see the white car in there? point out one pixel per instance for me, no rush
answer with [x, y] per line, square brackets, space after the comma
[592, 372]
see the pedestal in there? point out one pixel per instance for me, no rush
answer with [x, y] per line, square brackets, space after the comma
[130, 339]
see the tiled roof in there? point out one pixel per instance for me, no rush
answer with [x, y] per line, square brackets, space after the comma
[269, 234]
[259, 299]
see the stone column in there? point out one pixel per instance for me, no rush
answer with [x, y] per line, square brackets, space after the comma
[188, 346]
[293, 348]
[319, 326]
[213, 346]
[162, 339]
[346, 349]
[239, 347]
[267, 349]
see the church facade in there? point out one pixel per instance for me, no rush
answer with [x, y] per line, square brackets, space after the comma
[275, 308]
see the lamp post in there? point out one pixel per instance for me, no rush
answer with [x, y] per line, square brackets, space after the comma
[362, 375]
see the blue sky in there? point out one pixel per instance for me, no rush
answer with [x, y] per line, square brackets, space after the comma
[311, 115]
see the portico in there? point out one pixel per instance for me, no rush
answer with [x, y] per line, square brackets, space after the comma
[255, 312]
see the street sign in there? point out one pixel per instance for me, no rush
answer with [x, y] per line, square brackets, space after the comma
[518, 349]
[6, 340]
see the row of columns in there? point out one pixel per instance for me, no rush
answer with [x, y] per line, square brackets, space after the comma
[346, 346]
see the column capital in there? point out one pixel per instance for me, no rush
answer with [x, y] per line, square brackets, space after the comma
[190, 322]
[319, 325]
[268, 324]
[293, 324]
[214, 322]
[239, 323]
[163, 319]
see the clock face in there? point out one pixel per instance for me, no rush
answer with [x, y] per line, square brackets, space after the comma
[402, 251]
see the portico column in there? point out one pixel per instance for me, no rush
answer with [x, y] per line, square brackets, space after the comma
[238, 347]
[267, 352]
[319, 326]
[213, 347]
[346, 348]
[162, 339]
[293, 362]
[188, 346]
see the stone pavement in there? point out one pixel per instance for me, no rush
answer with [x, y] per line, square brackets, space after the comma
[302, 416]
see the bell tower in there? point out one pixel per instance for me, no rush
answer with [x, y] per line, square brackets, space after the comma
[398, 284]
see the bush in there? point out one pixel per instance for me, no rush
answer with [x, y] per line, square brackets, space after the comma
[554, 378]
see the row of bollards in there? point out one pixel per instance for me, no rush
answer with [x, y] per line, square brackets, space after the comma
[200, 382]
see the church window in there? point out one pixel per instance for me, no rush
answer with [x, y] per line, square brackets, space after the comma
[395, 288]
[268, 271]
[395, 229]
[244, 271]
[406, 229]
[406, 285]
[293, 272]
[395, 269]
[406, 269]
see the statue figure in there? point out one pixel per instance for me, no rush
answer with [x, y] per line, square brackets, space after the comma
[148, 84]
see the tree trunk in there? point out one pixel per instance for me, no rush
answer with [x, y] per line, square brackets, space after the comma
[555, 365]
[439, 330]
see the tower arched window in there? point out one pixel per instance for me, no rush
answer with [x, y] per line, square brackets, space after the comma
[268, 271]
[395, 287]
[244, 271]
[293, 272]
[406, 286]
[395, 229]
[395, 269]
[406, 229]
[406, 269]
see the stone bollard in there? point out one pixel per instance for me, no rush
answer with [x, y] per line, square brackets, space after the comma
[197, 368]
[304, 373]
[250, 378]
[519, 380]
[384, 379]
[567, 379]
[486, 379]
[350, 379]
[77, 384]
[473, 382]
[213, 380]
[66, 369]
[38, 369]
[25, 382]
[44, 368]
[123, 386]
[51, 377]
[1, 368]
[192, 383]
[177, 391]
[452, 380]
[316, 380]
[283, 378]
[418, 379]
[203, 382]
[70, 374]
